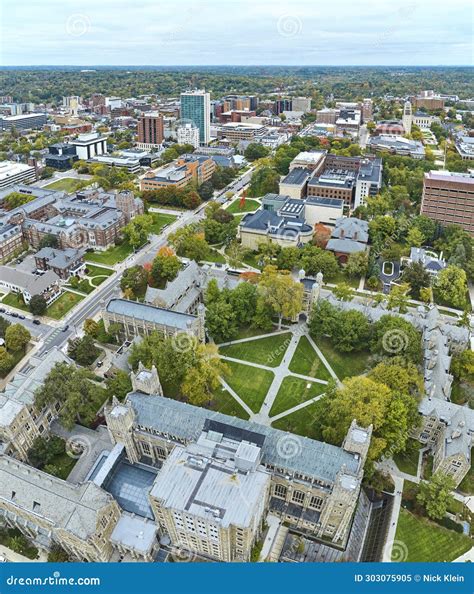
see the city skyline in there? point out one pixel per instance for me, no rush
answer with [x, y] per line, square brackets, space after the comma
[270, 33]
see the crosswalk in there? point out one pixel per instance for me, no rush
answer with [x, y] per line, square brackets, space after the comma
[51, 338]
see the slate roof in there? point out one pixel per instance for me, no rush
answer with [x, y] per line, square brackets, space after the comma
[74, 508]
[149, 313]
[178, 419]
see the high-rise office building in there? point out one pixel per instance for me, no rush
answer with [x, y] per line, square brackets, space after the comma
[196, 106]
[150, 130]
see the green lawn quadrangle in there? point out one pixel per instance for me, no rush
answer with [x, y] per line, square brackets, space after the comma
[294, 391]
[68, 184]
[250, 383]
[226, 404]
[267, 351]
[343, 364]
[304, 421]
[426, 541]
[305, 361]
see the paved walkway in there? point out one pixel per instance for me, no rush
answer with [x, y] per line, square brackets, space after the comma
[392, 530]
[467, 557]
[280, 373]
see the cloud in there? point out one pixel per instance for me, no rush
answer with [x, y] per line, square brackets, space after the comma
[298, 32]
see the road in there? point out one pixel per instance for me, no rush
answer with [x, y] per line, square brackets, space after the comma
[93, 303]
[363, 136]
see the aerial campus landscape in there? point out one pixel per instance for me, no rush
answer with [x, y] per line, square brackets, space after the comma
[236, 300]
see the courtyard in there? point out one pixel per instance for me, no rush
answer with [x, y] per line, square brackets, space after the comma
[278, 378]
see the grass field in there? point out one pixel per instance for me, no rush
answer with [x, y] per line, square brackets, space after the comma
[98, 271]
[63, 464]
[17, 356]
[303, 422]
[426, 541]
[344, 364]
[160, 220]
[408, 461]
[306, 362]
[15, 300]
[61, 306]
[226, 404]
[265, 351]
[215, 256]
[250, 383]
[293, 391]
[343, 278]
[68, 184]
[113, 255]
[249, 206]
[467, 484]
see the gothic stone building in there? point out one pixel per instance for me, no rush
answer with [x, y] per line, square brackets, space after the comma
[311, 485]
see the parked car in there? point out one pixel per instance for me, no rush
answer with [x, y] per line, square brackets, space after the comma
[22, 317]
[14, 314]
[65, 328]
[37, 322]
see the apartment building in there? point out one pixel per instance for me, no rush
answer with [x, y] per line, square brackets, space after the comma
[11, 239]
[150, 131]
[448, 197]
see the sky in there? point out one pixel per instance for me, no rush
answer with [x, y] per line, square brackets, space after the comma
[236, 32]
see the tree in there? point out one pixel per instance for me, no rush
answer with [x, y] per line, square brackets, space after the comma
[17, 337]
[398, 297]
[83, 350]
[415, 237]
[190, 243]
[16, 199]
[243, 300]
[288, 258]
[57, 555]
[417, 277]
[451, 286]
[138, 229]
[360, 398]
[323, 319]
[76, 392]
[264, 180]
[435, 495]
[38, 305]
[314, 260]
[462, 365]
[91, 327]
[351, 331]
[283, 295]
[4, 323]
[206, 190]
[221, 321]
[119, 384]
[165, 267]
[392, 336]
[6, 361]
[201, 381]
[135, 279]
[357, 264]
[381, 228]
[255, 151]
[48, 241]
[343, 292]
[44, 451]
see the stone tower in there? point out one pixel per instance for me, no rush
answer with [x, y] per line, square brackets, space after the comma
[357, 440]
[407, 119]
[146, 380]
[125, 202]
[120, 418]
[316, 290]
[201, 314]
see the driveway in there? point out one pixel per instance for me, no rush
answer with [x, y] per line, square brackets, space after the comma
[389, 273]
